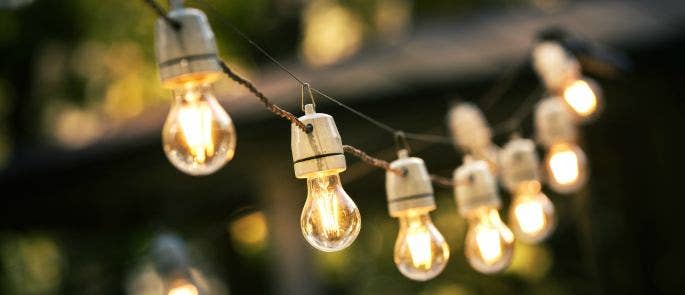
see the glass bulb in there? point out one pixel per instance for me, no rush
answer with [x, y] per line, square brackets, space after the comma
[489, 242]
[421, 252]
[330, 220]
[183, 289]
[565, 166]
[198, 136]
[583, 97]
[532, 213]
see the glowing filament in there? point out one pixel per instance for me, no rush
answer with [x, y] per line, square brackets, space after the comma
[329, 213]
[489, 244]
[419, 242]
[196, 123]
[563, 165]
[581, 98]
[530, 217]
[185, 289]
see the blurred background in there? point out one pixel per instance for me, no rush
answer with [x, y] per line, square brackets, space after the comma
[85, 186]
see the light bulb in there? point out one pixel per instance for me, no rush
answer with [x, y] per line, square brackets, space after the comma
[330, 220]
[565, 165]
[183, 288]
[198, 136]
[532, 213]
[489, 242]
[421, 252]
[583, 97]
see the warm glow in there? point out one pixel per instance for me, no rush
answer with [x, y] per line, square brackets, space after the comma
[331, 32]
[421, 252]
[419, 242]
[328, 213]
[249, 232]
[185, 289]
[330, 220]
[489, 244]
[196, 124]
[564, 165]
[530, 217]
[580, 96]
[532, 213]
[199, 137]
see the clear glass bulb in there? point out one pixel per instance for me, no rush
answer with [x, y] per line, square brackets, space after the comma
[565, 165]
[489, 242]
[198, 136]
[183, 288]
[532, 213]
[330, 220]
[583, 96]
[421, 252]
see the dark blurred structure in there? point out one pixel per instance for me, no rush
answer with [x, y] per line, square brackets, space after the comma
[85, 184]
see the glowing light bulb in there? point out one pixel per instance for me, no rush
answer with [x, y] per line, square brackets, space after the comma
[583, 96]
[183, 289]
[330, 220]
[489, 243]
[532, 213]
[198, 136]
[565, 166]
[421, 252]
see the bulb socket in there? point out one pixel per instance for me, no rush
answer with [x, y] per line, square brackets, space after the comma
[470, 130]
[518, 163]
[475, 187]
[554, 65]
[553, 122]
[320, 150]
[412, 190]
[187, 54]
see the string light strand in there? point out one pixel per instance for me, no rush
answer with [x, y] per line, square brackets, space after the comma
[267, 103]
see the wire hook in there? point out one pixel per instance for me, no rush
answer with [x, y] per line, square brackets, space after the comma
[311, 95]
[401, 142]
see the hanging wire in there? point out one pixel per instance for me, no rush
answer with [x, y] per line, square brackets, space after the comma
[520, 114]
[308, 128]
[487, 101]
[161, 13]
[371, 160]
[414, 136]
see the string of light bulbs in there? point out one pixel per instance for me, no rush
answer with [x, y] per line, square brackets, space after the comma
[199, 138]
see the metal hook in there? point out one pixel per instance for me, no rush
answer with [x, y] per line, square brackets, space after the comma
[311, 95]
[401, 142]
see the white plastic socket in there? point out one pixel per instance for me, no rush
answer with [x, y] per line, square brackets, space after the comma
[318, 151]
[189, 53]
[518, 163]
[410, 191]
[553, 122]
[475, 187]
[470, 130]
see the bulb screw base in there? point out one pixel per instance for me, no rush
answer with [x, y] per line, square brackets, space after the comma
[410, 191]
[518, 163]
[187, 54]
[319, 150]
[475, 187]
